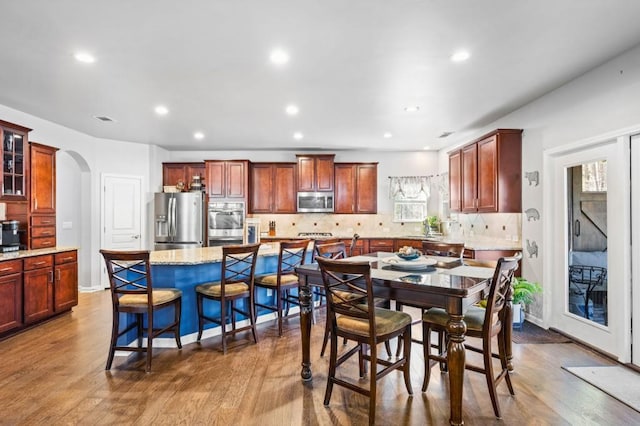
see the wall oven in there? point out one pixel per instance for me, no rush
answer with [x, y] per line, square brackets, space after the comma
[226, 223]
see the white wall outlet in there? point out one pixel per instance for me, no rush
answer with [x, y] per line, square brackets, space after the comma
[67, 225]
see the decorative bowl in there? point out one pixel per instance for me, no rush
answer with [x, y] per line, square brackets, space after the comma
[410, 256]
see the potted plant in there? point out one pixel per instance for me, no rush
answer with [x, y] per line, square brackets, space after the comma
[431, 224]
[523, 294]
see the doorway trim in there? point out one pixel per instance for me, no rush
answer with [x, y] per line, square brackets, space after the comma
[614, 339]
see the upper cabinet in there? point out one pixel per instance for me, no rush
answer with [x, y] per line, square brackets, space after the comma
[14, 161]
[356, 188]
[486, 175]
[273, 188]
[227, 179]
[315, 172]
[42, 206]
[172, 173]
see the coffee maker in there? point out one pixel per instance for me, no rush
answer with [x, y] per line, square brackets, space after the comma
[9, 238]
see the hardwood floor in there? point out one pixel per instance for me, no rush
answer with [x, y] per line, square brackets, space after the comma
[54, 374]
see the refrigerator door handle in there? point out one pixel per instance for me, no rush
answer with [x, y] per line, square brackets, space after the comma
[172, 217]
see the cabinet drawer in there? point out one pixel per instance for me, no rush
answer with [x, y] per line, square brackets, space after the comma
[66, 257]
[43, 242]
[10, 267]
[37, 262]
[43, 221]
[380, 245]
[43, 231]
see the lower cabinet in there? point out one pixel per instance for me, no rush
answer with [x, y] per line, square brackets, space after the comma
[10, 295]
[399, 242]
[380, 244]
[65, 290]
[38, 288]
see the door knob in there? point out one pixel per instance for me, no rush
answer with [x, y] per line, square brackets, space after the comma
[135, 237]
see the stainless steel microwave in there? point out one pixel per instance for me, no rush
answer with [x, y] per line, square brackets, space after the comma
[315, 202]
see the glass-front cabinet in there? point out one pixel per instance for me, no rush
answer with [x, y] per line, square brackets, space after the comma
[14, 160]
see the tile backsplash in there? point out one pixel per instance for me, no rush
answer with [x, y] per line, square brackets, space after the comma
[492, 225]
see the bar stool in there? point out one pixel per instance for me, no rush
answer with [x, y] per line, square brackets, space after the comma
[132, 293]
[237, 275]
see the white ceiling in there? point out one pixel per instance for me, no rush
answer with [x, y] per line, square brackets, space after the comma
[354, 66]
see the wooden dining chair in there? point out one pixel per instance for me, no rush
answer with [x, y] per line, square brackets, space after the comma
[483, 324]
[132, 292]
[319, 291]
[291, 255]
[443, 249]
[348, 287]
[237, 274]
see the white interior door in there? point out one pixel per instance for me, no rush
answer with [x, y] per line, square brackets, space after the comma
[121, 215]
[635, 245]
[612, 336]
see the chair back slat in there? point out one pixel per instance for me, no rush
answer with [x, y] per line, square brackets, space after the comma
[324, 241]
[129, 273]
[335, 250]
[239, 263]
[499, 290]
[439, 248]
[348, 288]
[292, 254]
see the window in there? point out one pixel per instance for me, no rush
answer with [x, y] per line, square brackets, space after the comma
[594, 176]
[410, 195]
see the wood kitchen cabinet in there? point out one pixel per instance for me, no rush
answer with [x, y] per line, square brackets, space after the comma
[315, 172]
[381, 244]
[400, 242]
[485, 176]
[10, 295]
[42, 207]
[15, 161]
[38, 288]
[227, 179]
[356, 188]
[273, 188]
[65, 288]
[172, 173]
[362, 247]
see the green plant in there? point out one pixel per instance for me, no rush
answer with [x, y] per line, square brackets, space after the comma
[524, 290]
[433, 221]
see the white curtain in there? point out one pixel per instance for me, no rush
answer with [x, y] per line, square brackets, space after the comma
[409, 187]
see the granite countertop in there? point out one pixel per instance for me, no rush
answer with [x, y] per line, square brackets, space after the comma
[37, 252]
[196, 256]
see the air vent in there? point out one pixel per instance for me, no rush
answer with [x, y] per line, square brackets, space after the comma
[104, 118]
[445, 134]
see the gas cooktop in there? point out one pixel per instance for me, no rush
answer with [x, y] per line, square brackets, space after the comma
[315, 234]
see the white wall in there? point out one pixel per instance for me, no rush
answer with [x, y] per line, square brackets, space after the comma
[601, 101]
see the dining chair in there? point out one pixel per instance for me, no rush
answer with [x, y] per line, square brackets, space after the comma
[338, 251]
[237, 274]
[481, 323]
[443, 249]
[349, 291]
[132, 292]
[319, 291]
[291, 255]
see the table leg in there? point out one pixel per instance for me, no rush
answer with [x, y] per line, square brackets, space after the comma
[304, 296]
[456, 360]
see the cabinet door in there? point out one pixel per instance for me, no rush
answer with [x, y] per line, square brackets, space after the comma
[284, 188]
[194, 170]
[345, 188]
[38, 294]
[236, 177]
[324, 173]
[384, 245]
[366, 199]
[487, 175]
[10, 302]
[173, 173]
[261, 188]
[455, 181]
[215, 179]
[362, 247]
[15, 161]
[43, 179]
[306, 174]
[469, 178]
[65, 292]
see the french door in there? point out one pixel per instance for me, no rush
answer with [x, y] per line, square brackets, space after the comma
[588, 209]
[635, 245]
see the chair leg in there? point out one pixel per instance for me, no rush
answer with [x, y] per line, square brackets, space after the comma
[407, 360]
[176, 329]
[387, 346]
[502, 352]
[488, 374]
[140, 324]
[149, 340]
[325, 339]
[252, 316]
[115, 327]
[233, 314]
[279, 305]
[426, 350]
[372, 384]
[442, 342]
[199, 303]
[399, 348]
[332, 368]
[223, 324]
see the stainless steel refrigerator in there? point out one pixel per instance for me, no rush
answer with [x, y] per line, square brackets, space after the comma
[179, 220]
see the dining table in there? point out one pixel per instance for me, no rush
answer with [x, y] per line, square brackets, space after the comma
[429, 281]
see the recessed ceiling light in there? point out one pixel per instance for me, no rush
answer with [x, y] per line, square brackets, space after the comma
[292, 109]
[298, 136]
[460, 56]
[84, 57]
[198, 135]
[387, 135]
[412, 108]
[279, 57]
[427, 148]
[161, 110]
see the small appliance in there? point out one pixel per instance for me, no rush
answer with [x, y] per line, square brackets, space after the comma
[10, 239]
[315, 202]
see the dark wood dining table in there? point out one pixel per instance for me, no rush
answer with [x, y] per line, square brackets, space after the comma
[449, 284]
